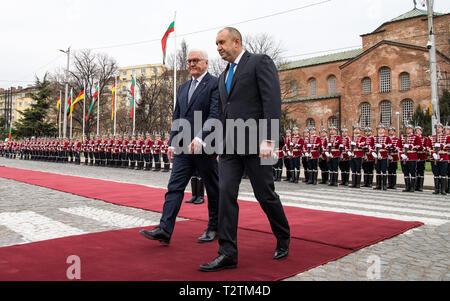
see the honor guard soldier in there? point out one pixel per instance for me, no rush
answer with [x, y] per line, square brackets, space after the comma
[323, 159]
[164, 153]
[422, 159]
[138, 153]
[71, 150]
[297, 146]
[334, 154]
[77, 148]
[304, 158]
[438, 147]
[278, 167]
[148, 156]
[368, 164]
[102, 147]
[410, 144]
[124, 151]
[344, 162]
[313, 146]
[97, 143]
[393, 158]
[287, 148]
[65, 149]
[157, 147]
[86, 150]
[91, 151]
[447, 132]
[116, 156]
[131, 151]
[110, 151]
[380, 152]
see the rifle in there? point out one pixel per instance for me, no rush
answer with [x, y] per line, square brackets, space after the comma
[436, 157]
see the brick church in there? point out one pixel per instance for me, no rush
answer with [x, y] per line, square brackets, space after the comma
[383, 82]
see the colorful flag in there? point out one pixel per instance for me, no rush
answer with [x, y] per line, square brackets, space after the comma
[58, 103]
[133, 84]
[113, 101]
[164, 39]
[79, 97]
[69, 101]
[94, 97]
[10, 132]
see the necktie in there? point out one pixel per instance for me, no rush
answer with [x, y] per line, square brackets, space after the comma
[192, 90]
[230, 77]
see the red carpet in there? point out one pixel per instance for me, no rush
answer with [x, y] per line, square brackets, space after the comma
[320, 236]
[126, 256]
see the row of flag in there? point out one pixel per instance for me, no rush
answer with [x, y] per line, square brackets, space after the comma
[81, 96]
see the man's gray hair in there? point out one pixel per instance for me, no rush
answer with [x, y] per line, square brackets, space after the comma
[204, 53]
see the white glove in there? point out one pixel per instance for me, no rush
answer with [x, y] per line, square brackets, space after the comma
[437, 145]
[374, 154]
[378, 146]
[406, 145]
[436, 157]
[341, 145]
[404, 157]
[327, 154]
[307, 155]
[329, 144]
[308, 146]
[350, 154]
[353, 143]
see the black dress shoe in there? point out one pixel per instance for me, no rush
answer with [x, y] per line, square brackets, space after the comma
[220, 263]
[157, 234]
[282, 250]
[208, 236]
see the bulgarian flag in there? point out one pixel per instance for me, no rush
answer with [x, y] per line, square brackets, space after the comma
[79, 97]
[69, 101]
[133, 84]
[10, 132]
[113, 101]
[164, 39]
[94, 97]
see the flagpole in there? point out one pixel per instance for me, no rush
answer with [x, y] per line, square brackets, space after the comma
[175, 63]
[84, 110]
[134, 106]
[115, 104]
[71, 101]
[59, 117]
[98, 109]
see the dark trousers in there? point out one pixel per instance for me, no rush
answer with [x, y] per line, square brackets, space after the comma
[392, 167]
[231, 168]
[382, 166]
[421, 168]
[184, 167]
[440, 170]
[312, 164]
[409, 169]
[355, 165]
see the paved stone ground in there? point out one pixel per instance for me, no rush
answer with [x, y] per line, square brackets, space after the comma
[419, 254]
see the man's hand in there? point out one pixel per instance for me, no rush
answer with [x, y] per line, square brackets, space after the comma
[266, 150]
[195, 147]
[170, 154]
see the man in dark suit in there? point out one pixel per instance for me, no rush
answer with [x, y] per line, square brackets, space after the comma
[199, 95]
[249, 90]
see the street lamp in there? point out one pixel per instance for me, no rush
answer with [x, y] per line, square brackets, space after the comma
[398, 123]
[67, 91]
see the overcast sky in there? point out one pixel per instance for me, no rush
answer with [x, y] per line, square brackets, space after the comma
[32, 32]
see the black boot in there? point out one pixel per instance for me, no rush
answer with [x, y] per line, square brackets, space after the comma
[325, 177]
[412, 188]
[166, 167]
[437, 185]
[194, 181]
[378, 178]
[297, 175]
[444, 188]
[315, 174]
[200, 192]
[358, 181]
[307, 175]
[384, 182]
[279, 172]
[448, 185]
[420, 184]
[288, 176]
[353, 180]
[407, 185]
[157, 166]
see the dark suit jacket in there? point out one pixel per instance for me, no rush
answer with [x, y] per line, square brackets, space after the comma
[205, 100]
[254, 94]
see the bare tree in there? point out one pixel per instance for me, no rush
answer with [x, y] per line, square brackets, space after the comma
[264, 43]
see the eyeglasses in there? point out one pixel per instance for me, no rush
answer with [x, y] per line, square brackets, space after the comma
[195, 61]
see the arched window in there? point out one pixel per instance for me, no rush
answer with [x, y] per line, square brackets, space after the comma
[294, 88]
[407, 110]
[331, 84]
[405, 83]
[366, 85]
[385, 112]
[310, 123]
[385, 80]
[365, 115]
[312, 87]
[332, 121]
